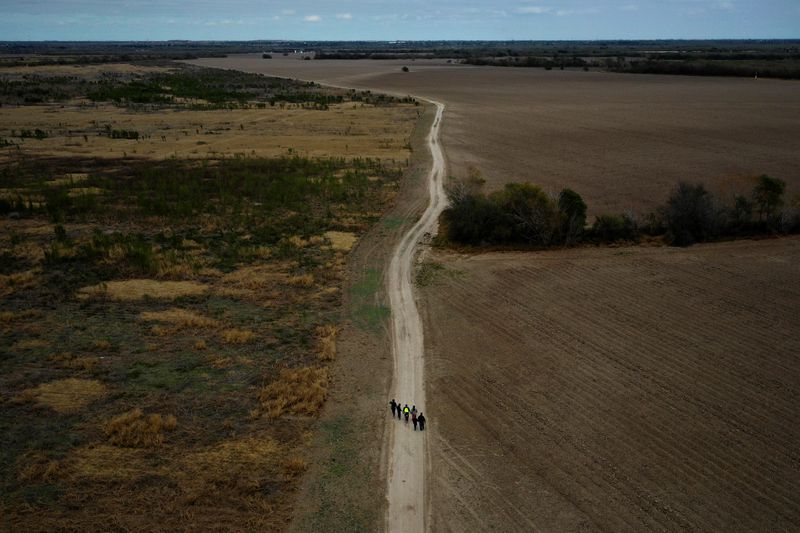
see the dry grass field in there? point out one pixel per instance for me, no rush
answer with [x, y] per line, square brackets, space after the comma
[346, 130]
[621, 141]
[169, 317]
[622, 389]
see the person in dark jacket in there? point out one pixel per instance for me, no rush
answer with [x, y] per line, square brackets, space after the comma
[414, 419]
[393, 405]
[421, 421]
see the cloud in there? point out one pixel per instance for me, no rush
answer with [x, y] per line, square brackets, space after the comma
[533, 10]
[312, 18]
[287, 12]
[344, 16]
[586, 11]
[727, 6]
[630, 7]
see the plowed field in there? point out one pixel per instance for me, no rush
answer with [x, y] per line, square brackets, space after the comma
[620, 140]
[629, 389]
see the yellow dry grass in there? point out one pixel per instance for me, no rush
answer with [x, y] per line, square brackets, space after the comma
[66, 395]
[341, 240]
[249, 451]
[101, 344]
[237, 336]
[137, 289]
[181, 318]
[305, 280]
[69, 360]
[83, 191]
[299, 391]
[84, 71]
[293, 467]
[219, 361]
[30, 344]
[135, 430]
[254, 277]
[200, 345]
[110, 463]
[344, 130]
[68, 179]
[326, 342]
[10, 283]
[37, 467]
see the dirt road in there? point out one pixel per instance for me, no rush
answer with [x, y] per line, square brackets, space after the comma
[406, 478]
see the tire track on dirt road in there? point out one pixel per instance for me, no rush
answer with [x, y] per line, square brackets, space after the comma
[407, 457]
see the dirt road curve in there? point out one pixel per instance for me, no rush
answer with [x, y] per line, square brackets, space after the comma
[406, 477]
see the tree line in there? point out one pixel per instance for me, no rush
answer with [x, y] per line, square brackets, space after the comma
[524, 214]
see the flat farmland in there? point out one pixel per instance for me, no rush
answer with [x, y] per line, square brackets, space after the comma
[622, 141]
[616, 389]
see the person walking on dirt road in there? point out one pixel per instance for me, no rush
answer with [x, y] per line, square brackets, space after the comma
[414, 419]
[421, 421]
[394, 406]
[406, 412]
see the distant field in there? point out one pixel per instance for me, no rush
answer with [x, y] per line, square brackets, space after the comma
[628, 389]
[620, 140]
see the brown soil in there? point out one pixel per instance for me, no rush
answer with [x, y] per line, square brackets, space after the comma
[624, 389]
[622, 141]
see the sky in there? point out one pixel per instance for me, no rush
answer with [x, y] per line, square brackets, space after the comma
[384, 20]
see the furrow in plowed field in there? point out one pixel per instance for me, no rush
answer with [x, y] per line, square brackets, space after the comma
[623, 389]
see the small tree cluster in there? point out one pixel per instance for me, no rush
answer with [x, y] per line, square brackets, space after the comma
[522, 213]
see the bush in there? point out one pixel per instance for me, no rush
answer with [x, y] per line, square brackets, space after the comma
[613, 228]
[528, 213]
[572, 215]
[690, 215]
[768, 199]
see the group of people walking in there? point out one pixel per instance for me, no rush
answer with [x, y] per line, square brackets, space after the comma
[416, 418]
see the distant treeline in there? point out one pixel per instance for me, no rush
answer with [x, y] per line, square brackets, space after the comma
[523, 214]
[766, 68]
[777, 68]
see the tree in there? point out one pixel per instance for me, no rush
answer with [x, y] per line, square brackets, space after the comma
[768, 198]
[690, 215]
[530, 213]
[572, 212]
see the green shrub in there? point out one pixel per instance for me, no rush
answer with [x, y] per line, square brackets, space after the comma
[768, 199]
[613, 228]
[572, 215]
[690, 215]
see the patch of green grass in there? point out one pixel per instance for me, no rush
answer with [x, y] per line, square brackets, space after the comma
[369, 283]
[365, 311]
[393, 223]
[427, 273]
[370, 316]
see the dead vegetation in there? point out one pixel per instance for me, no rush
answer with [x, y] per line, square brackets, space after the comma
[326, 342]
[298, 391]
[65, 395]
[237, 336]
[137, 289]
[135, 430]
[180, 318]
